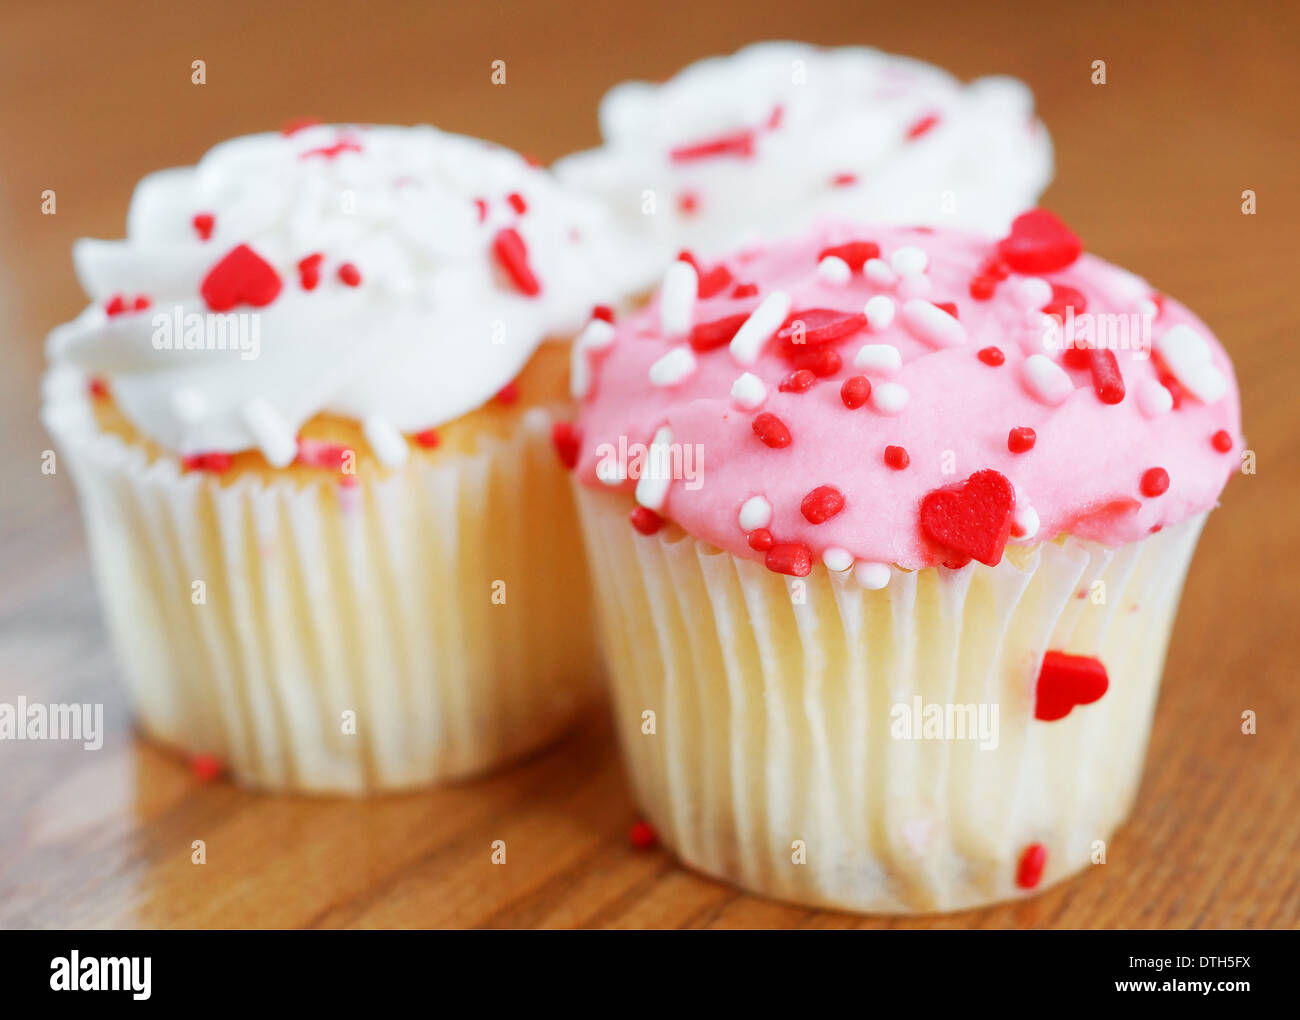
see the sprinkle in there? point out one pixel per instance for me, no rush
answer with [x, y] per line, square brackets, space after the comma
[982, 288]
[688, 202]
[992, 356]
[819, 326]
[837, 559]
[744, 290]
[512, 253]
[950, 307]
[715, 281]
[99, 388]
[596, 335]
[877, 271]
[878, 358]
[1029, 871]
[834, 270]
[274, 438]
[922, 126]
[775, 117]
[687, 256]
[755, 512]
[603, 312]
[799, 381]
[309, 271]
[889, 398]
[872, 576]
[760, 540]
[1221, 441]
[1065, 681]
[652, 486]
[675, 366]
[240, 277]
[855, 391]
[642, 835]
[349, 274]
[1154, 399]
[792, 558]
[748, 391]
[1033, 292]
[509, 393]
[1155, 481]
[896, 457]
[1106, 378]
[482, 207]
[385, 440]
[972, 519]
[1024, 523]
[1064, 297]
[331, 151]
[116, 306]
[737, 143]
[1020, 439]
[564, 437]
[821, 504]
[707, 336]
[677, 298]
[909, 260]
[316, 453]
[844, 180]
[772, 430]
[823, 362]
[854, 254]
[1046, 380]
[203, 223]
[645, 520]
[1187, 355]
[879, 311]
[428, 438]
[517, 202]
[1039, 243]
[207, 767]
[931, 324]
[214, 461]
[759, 327]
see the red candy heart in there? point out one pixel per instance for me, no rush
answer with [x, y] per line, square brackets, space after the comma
[714, 282]
[708, 335]
[820, 325]
[1039, 243]
[973, 519]
[1065, 681]
[242, 277]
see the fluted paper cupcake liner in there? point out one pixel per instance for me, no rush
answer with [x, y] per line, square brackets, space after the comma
[348, 639]
[773, 699]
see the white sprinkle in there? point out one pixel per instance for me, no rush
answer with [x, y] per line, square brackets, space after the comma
[1024, 523]
[677, 298]
[879, 311]
[389, 445]
[274, 438]
[877, 271]
[1033, 293]
[755, 512]
[755, 331]
[837, 559]
[656, 474]
[834, 270]
[878, 358]
[872, 576]
[595, 335]
[928, 322]
[189, 405]
[673, 367]
[1187, 355]
[1154, 399]
[909, 260]
[748, 391]
[1046, 380]
[889, 398]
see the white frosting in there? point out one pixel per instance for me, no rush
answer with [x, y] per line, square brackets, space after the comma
[434, 329]
[843, 111]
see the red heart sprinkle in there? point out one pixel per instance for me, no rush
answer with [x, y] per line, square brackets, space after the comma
[821, 504]
[709, 335]
[1065, 681]
[1021, 439]
[714, 281]
[972, 519]
[512, 253]
[1029, 871]
[896, 457]
[645, 520]
[203, 224]
[1155, 481]
[772, 430]
[241, 277]
[793, 558]
[1039, 243]
[760, 540]
[566, 439]
[1106, 379]
[855, 391]
[820, 325]
[992, 356]
[855, 253]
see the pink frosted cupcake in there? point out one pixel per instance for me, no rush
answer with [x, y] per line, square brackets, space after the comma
[910, 512]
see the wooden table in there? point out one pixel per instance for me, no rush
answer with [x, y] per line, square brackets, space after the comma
[1198, 106]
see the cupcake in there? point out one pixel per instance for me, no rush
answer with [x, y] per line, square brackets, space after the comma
[309, 417]
[888, 536]
[780, 134]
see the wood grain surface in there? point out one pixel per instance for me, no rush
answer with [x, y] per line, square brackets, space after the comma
[1199, 105]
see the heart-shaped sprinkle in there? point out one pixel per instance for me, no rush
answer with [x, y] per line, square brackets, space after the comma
[1065, 681]
[707, 336]
[972, 519]
[715, 281]
[820, 326]
[242, 277]
[1063, 297]
[1039, 243]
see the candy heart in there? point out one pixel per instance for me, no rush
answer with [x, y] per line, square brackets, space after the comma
[1065, 681]
[241, 277]
[820, 326]
[973, 519]
[1039, 243]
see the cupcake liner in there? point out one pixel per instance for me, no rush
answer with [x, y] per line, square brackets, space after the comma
[322, 600]
[774, 701]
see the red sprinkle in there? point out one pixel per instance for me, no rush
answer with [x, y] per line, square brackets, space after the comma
[922, 126]
[775, 117]
[296, 124]
[203, 224]
[316, 453]
[855, 391]
[688, 203]
[1065, 681]
[566, 440]
[1039, 243]
[798, 381]
[241, 277]
[1063, 297]
[1106, 379]
[508, 393]
[1021, 439]
[982, 287]
[844, 180]
[428, 438]
[760, 540]
[99, 389]
[603, 312]
[517, 202]
[1029, 872]
[772, 430]
[972, 519]
[141, 303]
[1155, 481]
[855, 253]
[330, 151]
[714, 282]
[823, 503]
[642, 835]
[645, 520]
[512, 253]
[820, 325]
[482, 207]
[823, 362]
[688, 256]
[215, 462]
[1221, 441]
[309, 271]
[349, 274]
[738, 143]
[992, 356]
[948, 306]
[744, 290]
[115, 306]
[896, 457]
[995, 269]
[793, 558]
[708, 335]
[207, 767]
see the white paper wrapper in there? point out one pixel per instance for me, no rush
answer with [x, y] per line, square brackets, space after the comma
[321, 601]
[774, 711]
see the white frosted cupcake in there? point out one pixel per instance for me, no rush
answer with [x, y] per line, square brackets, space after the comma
[910, 511]
[766, 141]
[309, 418]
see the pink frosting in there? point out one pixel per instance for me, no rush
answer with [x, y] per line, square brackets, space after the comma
[1084, 474]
